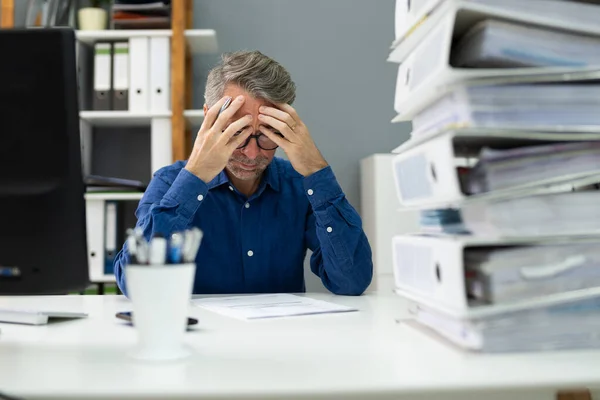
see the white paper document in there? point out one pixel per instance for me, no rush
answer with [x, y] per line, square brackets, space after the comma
[268, 306]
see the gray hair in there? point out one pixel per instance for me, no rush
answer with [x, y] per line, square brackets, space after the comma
[257, 74]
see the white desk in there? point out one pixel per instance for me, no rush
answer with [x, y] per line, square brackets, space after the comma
[345, 356]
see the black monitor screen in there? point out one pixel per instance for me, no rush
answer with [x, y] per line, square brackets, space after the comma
[42, 209]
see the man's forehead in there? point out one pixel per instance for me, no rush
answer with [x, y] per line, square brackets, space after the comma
[251, 104]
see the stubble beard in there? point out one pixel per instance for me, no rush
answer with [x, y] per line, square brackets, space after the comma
[260, 163]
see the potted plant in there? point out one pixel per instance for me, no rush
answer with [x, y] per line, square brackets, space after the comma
[93, 17]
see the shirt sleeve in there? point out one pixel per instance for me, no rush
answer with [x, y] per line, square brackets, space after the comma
[341, 252]
[165, 208]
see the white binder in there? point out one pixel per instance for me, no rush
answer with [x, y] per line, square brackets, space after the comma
[139, 97]
[161, 148]
[430, 271]
[426, 74]
[110, 235]
[571, 16]
[409, 13]
[425, 170]
[120, 75]
[413, 23]
[95, 212]
[160, 64]
[102, 76]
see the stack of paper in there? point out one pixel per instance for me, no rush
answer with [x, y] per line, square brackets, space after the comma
[269, 306]
[446, 221]
[498, 275]
[508, 257]
[569, 325]
[501, 169]
[496, 44]
[547, 215]
[537, 107]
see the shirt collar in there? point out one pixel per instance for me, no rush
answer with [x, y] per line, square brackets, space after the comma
[270, 177]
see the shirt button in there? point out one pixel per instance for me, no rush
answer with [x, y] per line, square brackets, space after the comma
[231, 188]
[329, 229]
[310, 192]
[250, 253]
[200, 197]
[247, 205]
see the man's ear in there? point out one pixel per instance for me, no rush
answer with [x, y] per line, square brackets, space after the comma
[205, 108]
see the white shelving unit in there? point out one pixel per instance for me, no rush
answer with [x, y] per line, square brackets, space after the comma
[198, 41]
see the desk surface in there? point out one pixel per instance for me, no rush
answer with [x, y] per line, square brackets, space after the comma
[354, 355]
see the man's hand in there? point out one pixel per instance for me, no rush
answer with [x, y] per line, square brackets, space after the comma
[213, 146]
[296, 141]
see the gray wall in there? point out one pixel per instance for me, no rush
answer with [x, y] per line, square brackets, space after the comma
[335, 51]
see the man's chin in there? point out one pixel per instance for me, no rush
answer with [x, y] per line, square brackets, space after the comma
[244, 174]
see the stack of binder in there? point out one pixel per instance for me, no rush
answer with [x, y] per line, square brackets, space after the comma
[508, 258]
[133, 75]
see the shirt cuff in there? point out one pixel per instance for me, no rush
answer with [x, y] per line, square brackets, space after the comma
[188, 191]
[322, 187]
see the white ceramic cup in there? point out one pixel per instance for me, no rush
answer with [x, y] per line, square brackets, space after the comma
[160, 295]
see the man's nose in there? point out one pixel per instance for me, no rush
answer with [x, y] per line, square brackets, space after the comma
[251, 150]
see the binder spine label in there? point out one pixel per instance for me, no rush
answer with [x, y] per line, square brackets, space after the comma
[413, 268]
[411, 178]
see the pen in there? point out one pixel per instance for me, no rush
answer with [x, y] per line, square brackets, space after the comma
[195, 238]
[132, 246]
[175, 248]
[141, 246]
[224, 106]
[158, 250]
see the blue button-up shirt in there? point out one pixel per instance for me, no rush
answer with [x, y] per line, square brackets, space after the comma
[258, 244]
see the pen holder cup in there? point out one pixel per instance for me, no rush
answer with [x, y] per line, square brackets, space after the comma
[160, 295]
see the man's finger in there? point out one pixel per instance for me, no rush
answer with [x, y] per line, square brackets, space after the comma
[281, 126]
[280, 115]
[237, 141]
[290, 110]
[212, 113]
[228, 114]
[235, 127]
[279, 141]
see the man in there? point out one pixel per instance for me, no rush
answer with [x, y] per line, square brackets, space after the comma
[258, 213]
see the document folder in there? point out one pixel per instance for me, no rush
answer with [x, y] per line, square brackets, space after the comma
[431, 271]
[102, 76]
[571, 324]
[420, 20]
[426, 74]
[139, 70]
[160, 74]
[427, 173]
[121, 76]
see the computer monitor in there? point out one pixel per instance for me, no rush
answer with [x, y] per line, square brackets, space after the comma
[42, 208]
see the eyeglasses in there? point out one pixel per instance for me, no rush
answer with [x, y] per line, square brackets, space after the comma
[262, 141]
